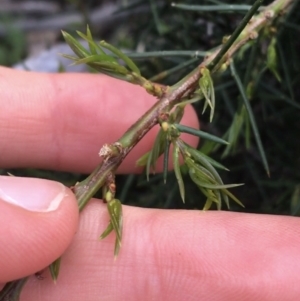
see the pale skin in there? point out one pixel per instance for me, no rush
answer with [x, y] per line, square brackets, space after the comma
[59, 122]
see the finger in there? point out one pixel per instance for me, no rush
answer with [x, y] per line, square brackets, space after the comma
[60, 121]
[38, 219]
[179, 255]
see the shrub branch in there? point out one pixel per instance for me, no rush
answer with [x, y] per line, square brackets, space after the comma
[244, 33]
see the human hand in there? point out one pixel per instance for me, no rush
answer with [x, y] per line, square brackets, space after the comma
[60, 122]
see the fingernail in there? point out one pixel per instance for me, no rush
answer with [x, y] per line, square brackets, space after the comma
[32, 194]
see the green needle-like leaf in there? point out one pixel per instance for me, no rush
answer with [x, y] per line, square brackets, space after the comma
[212, 196]
[219, 187]
[78, 49]
[115, 212]
[12, 290]
[198, 96]
[166, 160]
[152, 156]
[159, 147]
[142, 161]
[107, 231]
[207, 88]
[54, 269]
[207, 179]
[207, 204]
[233, 197]
[235, 129]
[200, 158]
[148, 166]
[204, 87]
[162, 75]
[295, 201]
[94, 47]
[70, 57]
[251, 117]
[228, 8]
[166, 53]
[272, 59]
[199, 177]
[122, 56]
[205, 161]
[149, 160]
[177, 171]
[279, 95]
[213, 162]
[198, 133]
[286, 71]
[92, 44]
[177, 114]
[116, 70]
[98, 59]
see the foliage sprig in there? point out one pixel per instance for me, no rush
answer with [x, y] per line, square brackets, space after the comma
[199, 80]
[167, 112]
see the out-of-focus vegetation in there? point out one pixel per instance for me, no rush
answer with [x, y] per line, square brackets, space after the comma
[151, 26]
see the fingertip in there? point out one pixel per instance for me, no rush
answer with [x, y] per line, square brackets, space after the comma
[33, 234]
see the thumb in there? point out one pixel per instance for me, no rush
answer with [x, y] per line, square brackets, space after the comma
[38, 219]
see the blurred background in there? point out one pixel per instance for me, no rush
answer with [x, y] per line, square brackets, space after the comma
[30, 39]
